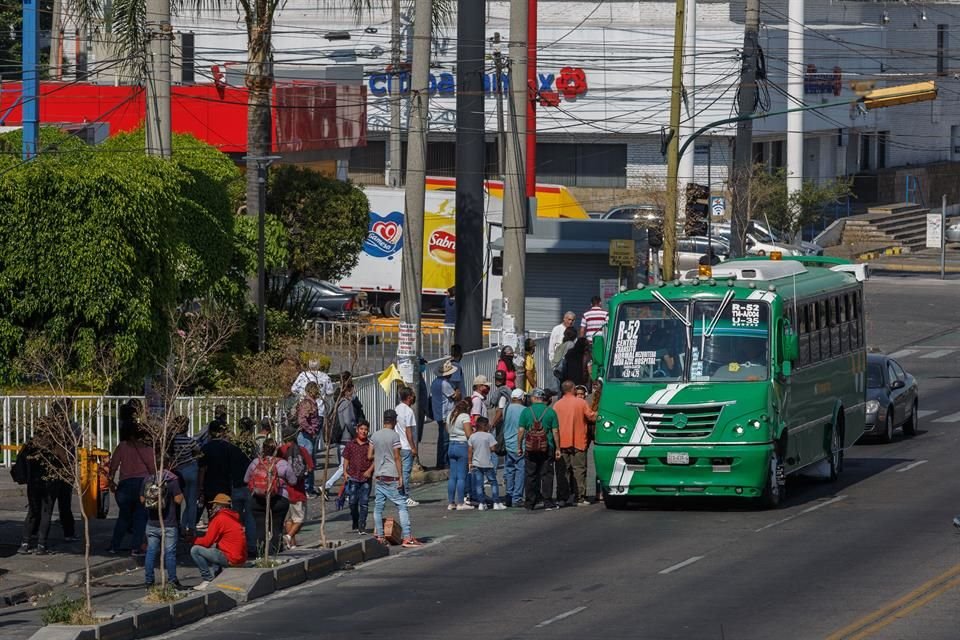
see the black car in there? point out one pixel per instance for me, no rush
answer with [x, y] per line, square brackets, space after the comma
[324, 301]
[893, 398]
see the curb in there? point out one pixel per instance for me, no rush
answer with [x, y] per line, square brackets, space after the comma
[76, 577]
[233, 587]
[911, 268]
[13, 492]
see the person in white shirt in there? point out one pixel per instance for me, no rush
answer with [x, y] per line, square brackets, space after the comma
[313, 374]
[593, 319]
[556, 335]
[407, 430]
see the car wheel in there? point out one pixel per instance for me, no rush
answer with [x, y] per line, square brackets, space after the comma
[887, 435]
[761, 252]
[911, 426]
[774, 491]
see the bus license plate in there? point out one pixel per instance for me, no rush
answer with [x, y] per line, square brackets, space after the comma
[674, 457]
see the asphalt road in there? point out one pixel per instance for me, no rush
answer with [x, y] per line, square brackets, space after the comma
[870, 556]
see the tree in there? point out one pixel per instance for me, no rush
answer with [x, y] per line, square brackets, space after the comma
[11, 43]
[326, 222]
[767, 199]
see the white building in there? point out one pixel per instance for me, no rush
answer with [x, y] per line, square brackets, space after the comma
[609, 136]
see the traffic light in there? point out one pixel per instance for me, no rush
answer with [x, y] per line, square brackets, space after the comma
[696, 210]
[903, 94]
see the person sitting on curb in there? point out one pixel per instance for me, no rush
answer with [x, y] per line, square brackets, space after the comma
[224, 545]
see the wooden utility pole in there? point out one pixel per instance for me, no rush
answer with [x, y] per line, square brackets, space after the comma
[743, 151]
[411, 283]
[673, 145]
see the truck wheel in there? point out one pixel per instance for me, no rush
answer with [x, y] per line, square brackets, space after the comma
[391, 308]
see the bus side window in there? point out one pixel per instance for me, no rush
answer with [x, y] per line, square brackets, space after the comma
[812, 318]
[803, 334]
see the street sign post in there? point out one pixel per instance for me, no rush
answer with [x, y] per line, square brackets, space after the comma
[622, 253]
[934, 230]
[718, 205]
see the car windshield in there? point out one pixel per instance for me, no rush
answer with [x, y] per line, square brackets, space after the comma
[730, 340]
[648, 342]
[874, 375]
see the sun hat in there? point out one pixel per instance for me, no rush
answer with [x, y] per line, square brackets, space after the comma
[481, 380]
[221, 498]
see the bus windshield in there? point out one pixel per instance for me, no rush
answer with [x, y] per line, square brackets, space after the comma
[730, 341]
[648, 342]
[727, 341]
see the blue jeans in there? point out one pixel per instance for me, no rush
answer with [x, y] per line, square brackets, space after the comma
[203, 557]
[306, 442]
[169, 551]
[406, 459]
[457, 481]
[130, 513]
[513, 478]
[390, 491]
[188, 517]
[490, 475]
[443, 441]
[359, 493]
[240, 497]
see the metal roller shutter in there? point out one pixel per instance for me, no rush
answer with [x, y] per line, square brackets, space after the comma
[562, 282]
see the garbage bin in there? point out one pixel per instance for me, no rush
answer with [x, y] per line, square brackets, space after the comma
[94, 483]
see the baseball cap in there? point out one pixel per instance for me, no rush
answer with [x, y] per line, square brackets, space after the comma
[390, 416]
[538, 393]
[500, 375]
[517, 394]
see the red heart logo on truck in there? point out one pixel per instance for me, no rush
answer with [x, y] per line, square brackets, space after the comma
[387, 230]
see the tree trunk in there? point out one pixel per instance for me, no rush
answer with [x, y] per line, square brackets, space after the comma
[259, 81]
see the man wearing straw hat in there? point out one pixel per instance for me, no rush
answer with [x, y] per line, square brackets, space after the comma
[443, 395]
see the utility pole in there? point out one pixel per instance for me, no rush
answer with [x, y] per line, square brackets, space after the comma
[673, 145]
[533, 85]
[501, 131]
[263, 162]
[411, 282]
[56, 41]
[470, 159]
[795, 71]
[159, 34]
[513, 283]
[394, 176]
[30, 95]
[743, 151]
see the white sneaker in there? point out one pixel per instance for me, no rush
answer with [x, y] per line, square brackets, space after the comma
[412, 503]
[203, 585]
[482, 507]
[464, 507]
[467, 502]
[451, 507]
[499, 506]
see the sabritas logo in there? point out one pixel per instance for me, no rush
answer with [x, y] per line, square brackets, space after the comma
[442, 245]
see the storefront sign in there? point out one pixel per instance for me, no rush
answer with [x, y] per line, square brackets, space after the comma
[570, 82]
[822, 83]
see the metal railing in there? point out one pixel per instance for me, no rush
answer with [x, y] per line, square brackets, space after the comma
[20, 413]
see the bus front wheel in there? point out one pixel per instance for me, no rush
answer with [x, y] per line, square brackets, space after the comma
[615, 503]
[775, 489]
[835, 453]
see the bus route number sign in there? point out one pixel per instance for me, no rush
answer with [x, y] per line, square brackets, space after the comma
[745, 315]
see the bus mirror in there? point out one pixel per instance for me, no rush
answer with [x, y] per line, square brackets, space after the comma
[786, 369]
[791, 346]
[597, 353]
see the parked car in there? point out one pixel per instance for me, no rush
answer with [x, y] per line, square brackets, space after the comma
[324, 301]
[953, 232]
[690, 249]
[893, 398]
[635, 212]
[761, 241]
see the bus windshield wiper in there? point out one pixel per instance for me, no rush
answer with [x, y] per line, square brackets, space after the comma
[682, 318]
[708, 332]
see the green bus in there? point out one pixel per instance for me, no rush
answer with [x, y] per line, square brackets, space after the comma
[722, 384]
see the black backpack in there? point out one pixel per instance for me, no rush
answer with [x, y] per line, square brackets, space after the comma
[296, 461]
[20, 471]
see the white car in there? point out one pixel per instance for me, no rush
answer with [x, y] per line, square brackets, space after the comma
[953, 232]
[760, 242]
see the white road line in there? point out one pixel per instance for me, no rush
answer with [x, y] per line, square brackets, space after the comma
[681, 565]
[953, 417]
[912, 465]
[797, 515]
[939, 353]
[923, 413]
[565, 614]
[903, 353]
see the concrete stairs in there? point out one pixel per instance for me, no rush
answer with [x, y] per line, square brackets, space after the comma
[901, 226]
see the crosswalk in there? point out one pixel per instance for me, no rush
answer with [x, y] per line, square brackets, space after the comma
[927, 353]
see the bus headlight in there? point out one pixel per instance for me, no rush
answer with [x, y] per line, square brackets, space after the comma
[607, 424]
[738, 430]
[622, 431]
[754, 423]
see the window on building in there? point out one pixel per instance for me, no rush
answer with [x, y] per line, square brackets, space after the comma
[882, 149]
[776, 154]
[942, 34]
[865, 159]
[582, 165]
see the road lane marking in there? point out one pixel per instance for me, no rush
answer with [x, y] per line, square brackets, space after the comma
[797, 515]
[899, 608]
[565, 614]
[923, 413]
[912, 465]
[903, 353]
[939, 353]
[681, 565]
[953, 417]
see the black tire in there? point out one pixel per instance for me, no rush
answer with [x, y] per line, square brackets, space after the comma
[391, 308]
[616, 503]
[761, 252]
[835, 451]
[774, 492]
[887, 436]
[911, 426]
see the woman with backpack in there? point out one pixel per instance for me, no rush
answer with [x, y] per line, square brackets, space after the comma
[301, 463]
[342, 430]
[459, 429]
[268, 478]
